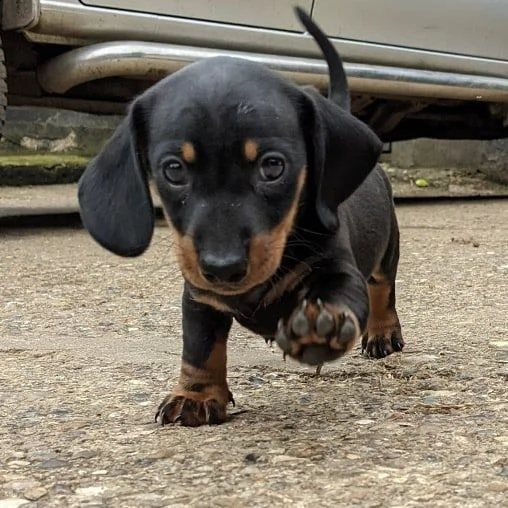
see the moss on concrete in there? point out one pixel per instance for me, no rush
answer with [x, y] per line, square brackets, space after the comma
[41, 169]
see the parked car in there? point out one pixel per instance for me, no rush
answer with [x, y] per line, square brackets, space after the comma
[437, 68]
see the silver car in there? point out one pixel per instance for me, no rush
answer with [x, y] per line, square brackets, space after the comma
[437, 68]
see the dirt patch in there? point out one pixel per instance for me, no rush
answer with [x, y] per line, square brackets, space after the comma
[442, 182]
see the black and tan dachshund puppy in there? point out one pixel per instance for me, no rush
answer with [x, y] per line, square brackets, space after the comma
[282, 220]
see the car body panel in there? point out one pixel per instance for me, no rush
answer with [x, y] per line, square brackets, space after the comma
[466, 27]
[71, 22]
[261, 13]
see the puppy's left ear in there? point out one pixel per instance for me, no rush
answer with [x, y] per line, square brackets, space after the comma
[342, 151]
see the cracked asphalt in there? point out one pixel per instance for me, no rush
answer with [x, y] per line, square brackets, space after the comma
[90, 344]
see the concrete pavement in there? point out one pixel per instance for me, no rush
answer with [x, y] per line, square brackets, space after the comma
[90, 343]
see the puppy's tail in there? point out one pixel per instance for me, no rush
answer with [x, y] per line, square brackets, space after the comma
[338, 91]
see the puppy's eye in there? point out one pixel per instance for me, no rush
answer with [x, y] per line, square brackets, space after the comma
[271, 166]
[175, 171]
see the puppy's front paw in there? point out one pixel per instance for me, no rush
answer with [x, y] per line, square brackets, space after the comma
[318, 332]
[195, 408]
[382, 342]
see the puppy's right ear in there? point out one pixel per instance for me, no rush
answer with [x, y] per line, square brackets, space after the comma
[114, 198]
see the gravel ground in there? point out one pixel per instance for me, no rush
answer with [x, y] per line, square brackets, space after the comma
[90, 345]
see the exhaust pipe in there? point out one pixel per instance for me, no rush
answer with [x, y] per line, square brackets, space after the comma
[153, 61]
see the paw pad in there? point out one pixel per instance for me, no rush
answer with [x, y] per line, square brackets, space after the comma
[317, 332]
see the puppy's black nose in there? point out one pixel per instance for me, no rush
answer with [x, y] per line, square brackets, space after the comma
[230, 268]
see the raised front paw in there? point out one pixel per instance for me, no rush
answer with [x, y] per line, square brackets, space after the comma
[206, 406]
[318, 332]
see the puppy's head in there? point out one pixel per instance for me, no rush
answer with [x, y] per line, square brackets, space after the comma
[232, 148]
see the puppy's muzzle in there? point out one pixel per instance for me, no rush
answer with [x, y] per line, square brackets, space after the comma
[231, 268]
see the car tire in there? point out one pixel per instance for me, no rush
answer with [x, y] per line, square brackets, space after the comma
[3, 88]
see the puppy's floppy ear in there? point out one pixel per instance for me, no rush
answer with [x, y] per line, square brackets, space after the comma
[114, 198]
[342, 151]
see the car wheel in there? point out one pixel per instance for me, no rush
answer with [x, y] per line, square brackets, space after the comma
[3, 88]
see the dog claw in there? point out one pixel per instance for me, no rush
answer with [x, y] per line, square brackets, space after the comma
[348, 331]
[269, 341]
[318, 369]
[281, 338]
[381, 346]
[324, 322]
[397, 344]
[300, 324]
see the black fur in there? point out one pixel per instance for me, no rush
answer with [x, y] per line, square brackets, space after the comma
[345, 227]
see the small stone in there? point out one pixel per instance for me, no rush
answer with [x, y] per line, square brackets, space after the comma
[213, 439]
[365, 421]
[99, 472]
[309, 452]
[140, 397]
[61, 411]
[18, 463]
[89, 491]
[61, 489]
[35, 493]
[86, 454]
[21, 484]
[41, 455]
[500, 344]
[284, 459]
[53, 464]
[152, 498]
[13, 502]
[497, 486]
[18, 455]
[256, 380]
[441, 393]
[205, 469]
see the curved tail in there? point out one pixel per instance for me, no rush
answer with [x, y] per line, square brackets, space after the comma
[338, 91]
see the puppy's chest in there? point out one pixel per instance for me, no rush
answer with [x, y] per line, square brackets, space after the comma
[261, 309]
[262, 318]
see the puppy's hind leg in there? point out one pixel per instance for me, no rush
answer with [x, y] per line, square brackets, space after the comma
[383, 335]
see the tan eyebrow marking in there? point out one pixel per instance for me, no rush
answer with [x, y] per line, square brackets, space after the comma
[188, 152]
[250, 150]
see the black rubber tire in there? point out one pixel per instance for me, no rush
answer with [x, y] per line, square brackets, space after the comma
[3, 87]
